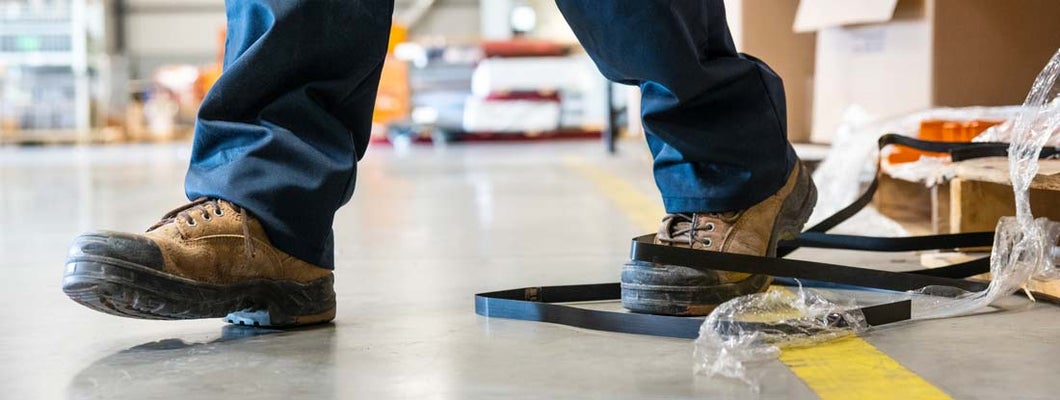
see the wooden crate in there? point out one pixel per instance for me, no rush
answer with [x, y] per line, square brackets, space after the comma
[973, 201]
[981, 194]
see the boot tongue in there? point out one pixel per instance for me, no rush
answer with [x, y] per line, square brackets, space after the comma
[690, 228]
[172, 215]
[680, 226]
[675, 224]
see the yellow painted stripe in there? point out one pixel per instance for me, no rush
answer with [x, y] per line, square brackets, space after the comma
[849, 368]
[643, 211]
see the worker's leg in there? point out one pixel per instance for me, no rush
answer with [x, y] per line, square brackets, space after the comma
[714, 120]
[715, 123]
[281, 132]
[276, 146]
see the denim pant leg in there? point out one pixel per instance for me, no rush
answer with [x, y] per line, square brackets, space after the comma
[714, 119]
[281, 132]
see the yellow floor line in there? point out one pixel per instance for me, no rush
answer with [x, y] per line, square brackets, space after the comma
[849, 368]
[645, 212]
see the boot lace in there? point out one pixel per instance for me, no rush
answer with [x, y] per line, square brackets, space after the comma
[684, 226]
[209, 208]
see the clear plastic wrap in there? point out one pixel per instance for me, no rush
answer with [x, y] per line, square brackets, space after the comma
[1020, 253]
[1023, 247]
[1038, 122]
[753, 329]
[929, 170]
[851, 163]
[1003, 133]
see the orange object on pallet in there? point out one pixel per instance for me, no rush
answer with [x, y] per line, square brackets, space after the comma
[941, 131]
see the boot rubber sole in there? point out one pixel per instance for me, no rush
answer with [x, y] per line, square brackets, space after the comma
[127, 289]
[673, 290]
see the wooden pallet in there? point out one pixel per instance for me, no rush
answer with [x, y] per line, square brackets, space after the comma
[973, 201]
[981, 193]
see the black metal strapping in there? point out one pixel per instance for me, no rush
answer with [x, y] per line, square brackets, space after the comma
[543, 303]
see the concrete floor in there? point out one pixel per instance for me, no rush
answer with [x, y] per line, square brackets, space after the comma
[427, 228]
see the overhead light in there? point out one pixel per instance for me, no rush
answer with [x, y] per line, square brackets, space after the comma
[523, 19]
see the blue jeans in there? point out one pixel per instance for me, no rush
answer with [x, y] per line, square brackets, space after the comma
[281, 132]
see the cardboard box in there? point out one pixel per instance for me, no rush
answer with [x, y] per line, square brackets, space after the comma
[891, 57]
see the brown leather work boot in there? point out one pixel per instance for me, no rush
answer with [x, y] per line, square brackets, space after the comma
[676, 290]
[207, 259]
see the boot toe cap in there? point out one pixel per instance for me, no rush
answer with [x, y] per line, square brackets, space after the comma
[108, 245]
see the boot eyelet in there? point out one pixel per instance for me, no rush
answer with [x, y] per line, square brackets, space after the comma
[710, 226]
[218, 212]
[707, 242]
[192, 222]
[206, 216]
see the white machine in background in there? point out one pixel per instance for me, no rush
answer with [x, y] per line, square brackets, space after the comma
[536, 94]
[511, 116]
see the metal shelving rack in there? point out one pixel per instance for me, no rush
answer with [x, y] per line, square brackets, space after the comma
[45, 71]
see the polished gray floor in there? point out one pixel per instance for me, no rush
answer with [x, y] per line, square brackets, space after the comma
[427, 228]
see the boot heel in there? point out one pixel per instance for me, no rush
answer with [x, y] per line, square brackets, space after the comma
[795, 211]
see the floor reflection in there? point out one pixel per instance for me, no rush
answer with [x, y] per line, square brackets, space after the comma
[240, 361]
